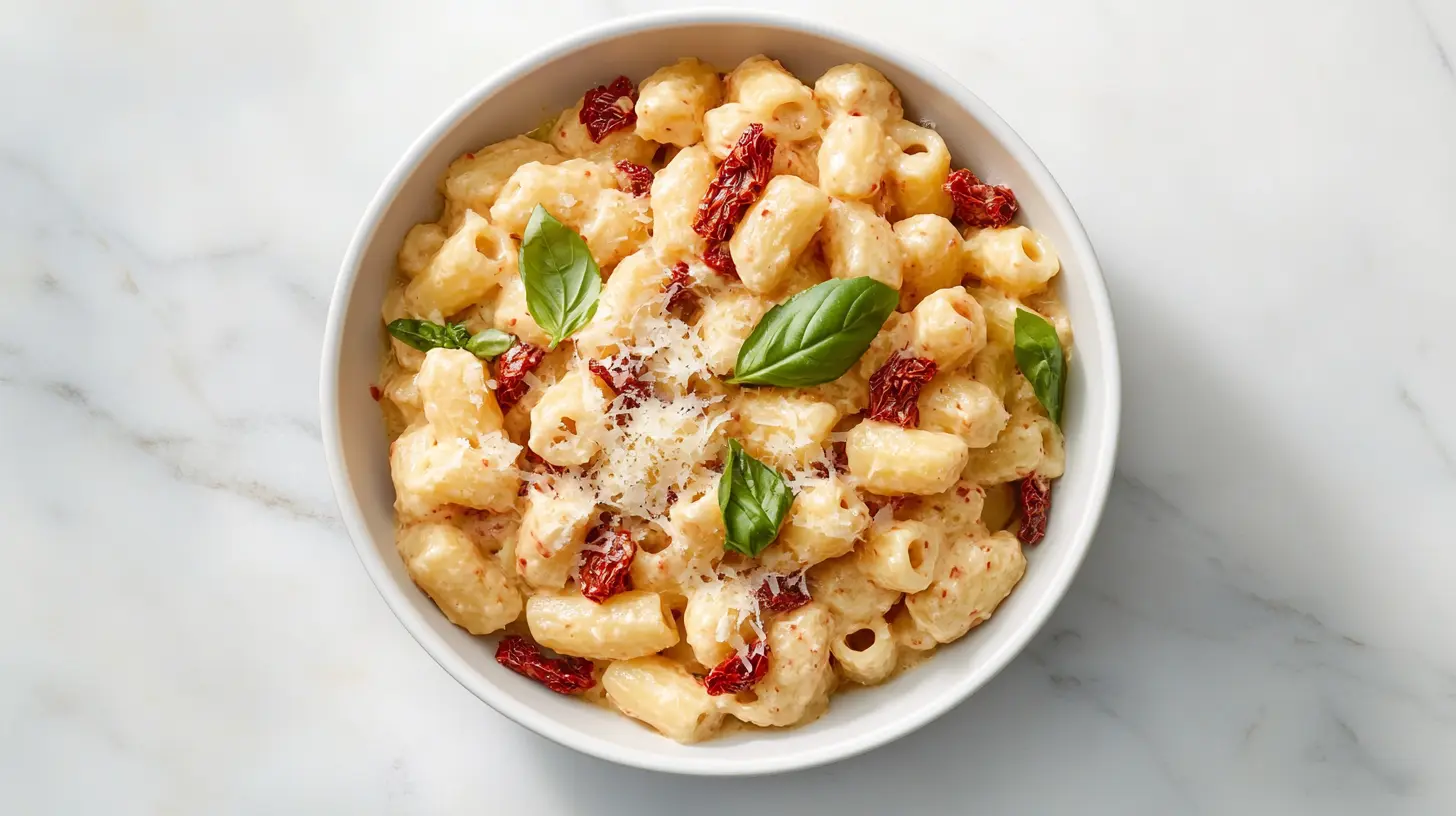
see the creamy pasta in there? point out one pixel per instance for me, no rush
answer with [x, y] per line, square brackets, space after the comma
[723, 393]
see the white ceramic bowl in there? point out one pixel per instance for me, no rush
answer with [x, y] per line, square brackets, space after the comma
[515, 101]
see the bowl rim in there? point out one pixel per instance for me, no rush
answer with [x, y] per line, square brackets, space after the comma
[393, 593]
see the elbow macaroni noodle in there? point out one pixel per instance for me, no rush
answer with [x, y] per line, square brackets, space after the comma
[901, 537]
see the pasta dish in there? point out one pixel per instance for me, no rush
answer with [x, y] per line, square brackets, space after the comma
[719, 393]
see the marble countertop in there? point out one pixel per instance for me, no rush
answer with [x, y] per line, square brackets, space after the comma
[1264, 623]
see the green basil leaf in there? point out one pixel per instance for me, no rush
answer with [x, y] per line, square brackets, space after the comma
[1039, 356]
[459, 335]
[562, 280]
[489, 344]
[816, 335]
[754, 500]
[425, 335]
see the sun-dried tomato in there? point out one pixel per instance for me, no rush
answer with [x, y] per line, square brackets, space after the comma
[563, 675]
[679, 289]
[637, 178]
[1035, 492]
[608, 108]
[731, 676]
[720, 260]
[876, 502]
[979, 204]
[545, 466]
[783, 593]
[511, 369]
[623, 373]
[838, 457]
[375, 393]
[739, 181]
[895, 389]
[606, 564]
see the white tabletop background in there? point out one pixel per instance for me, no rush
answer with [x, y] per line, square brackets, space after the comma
[1266, 622]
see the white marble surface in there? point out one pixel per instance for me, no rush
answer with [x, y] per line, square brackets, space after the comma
[1264, 625]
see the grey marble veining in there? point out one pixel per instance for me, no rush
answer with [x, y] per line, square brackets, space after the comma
[1264, 624]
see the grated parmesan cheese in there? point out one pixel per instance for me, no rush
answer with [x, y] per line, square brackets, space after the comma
[655, 452]
[675, 351]
[757, 625]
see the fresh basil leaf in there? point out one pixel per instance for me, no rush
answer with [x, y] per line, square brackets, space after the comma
[816, 335]
[459, 335]
[754, 500]
[489, 344]
[562, 281]
[1039, 356]
[425, 335]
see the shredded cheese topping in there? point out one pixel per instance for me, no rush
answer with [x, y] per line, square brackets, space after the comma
[654, 452]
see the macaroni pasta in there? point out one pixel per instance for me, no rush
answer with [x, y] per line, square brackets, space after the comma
[571, 495]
